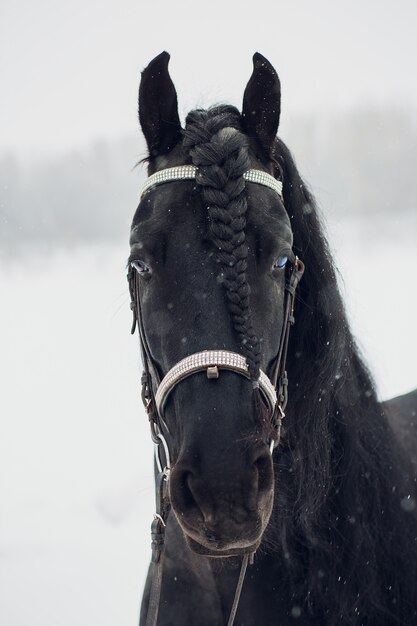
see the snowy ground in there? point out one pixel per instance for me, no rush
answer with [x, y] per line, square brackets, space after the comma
[75, 456]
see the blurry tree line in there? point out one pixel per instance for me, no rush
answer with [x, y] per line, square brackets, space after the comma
[359, 163]
[82, 196]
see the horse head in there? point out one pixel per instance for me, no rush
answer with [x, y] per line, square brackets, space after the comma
[212, 258]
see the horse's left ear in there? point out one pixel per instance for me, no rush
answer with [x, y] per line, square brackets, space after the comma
[262, 103]
[158, 107]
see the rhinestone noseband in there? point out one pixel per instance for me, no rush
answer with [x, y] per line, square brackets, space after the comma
[189, 172]
[212, 361]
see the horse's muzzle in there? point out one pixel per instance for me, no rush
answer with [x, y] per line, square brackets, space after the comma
[224, 511]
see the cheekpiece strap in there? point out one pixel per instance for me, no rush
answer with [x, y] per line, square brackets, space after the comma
[190, 172]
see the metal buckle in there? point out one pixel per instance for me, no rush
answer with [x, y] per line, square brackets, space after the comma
[156, 516]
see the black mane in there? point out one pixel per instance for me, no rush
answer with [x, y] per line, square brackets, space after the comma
[338, 447]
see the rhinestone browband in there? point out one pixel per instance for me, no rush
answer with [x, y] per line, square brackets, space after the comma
[189, 172]
[211, 361]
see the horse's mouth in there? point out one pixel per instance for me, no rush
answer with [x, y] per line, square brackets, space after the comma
[219, 553]
[206, 544]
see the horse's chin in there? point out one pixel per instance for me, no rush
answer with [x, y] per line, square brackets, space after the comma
[221, 553]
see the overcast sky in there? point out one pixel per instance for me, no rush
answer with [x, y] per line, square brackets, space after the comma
[69, 70]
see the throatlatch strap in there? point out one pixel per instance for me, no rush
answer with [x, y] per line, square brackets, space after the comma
[158, 541]
[155, 596]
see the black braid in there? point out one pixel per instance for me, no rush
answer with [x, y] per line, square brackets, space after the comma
[220, 151]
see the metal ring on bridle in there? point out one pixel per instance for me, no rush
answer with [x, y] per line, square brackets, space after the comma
[166, 451]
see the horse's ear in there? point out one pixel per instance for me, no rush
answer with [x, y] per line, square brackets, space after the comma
[262, 103]
[158, 107]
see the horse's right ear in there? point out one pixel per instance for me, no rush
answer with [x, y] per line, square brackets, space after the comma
[158, 107]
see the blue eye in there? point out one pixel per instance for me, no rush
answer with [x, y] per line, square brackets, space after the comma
[281, 262]
[140, 267]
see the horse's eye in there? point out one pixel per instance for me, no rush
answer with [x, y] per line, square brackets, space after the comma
[140, 267]
[281, 262]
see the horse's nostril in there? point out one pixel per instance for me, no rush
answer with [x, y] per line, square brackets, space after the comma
[187, 494]
[183, 494]
[263, 467]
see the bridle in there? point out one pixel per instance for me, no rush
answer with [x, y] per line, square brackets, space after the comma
[155, 392]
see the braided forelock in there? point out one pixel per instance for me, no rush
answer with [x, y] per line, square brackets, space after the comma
[220, 151]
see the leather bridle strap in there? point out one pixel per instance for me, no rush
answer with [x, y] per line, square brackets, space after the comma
[279, 377]
[150, 375]
[158, 543]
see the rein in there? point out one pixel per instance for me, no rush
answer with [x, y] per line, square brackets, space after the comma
[155, 391]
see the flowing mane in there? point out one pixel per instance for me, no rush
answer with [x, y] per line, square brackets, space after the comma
[337, 446]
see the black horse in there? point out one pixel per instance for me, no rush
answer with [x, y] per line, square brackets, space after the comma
[331, 515]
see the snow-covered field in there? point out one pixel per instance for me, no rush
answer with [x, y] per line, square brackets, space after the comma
[76, 492]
